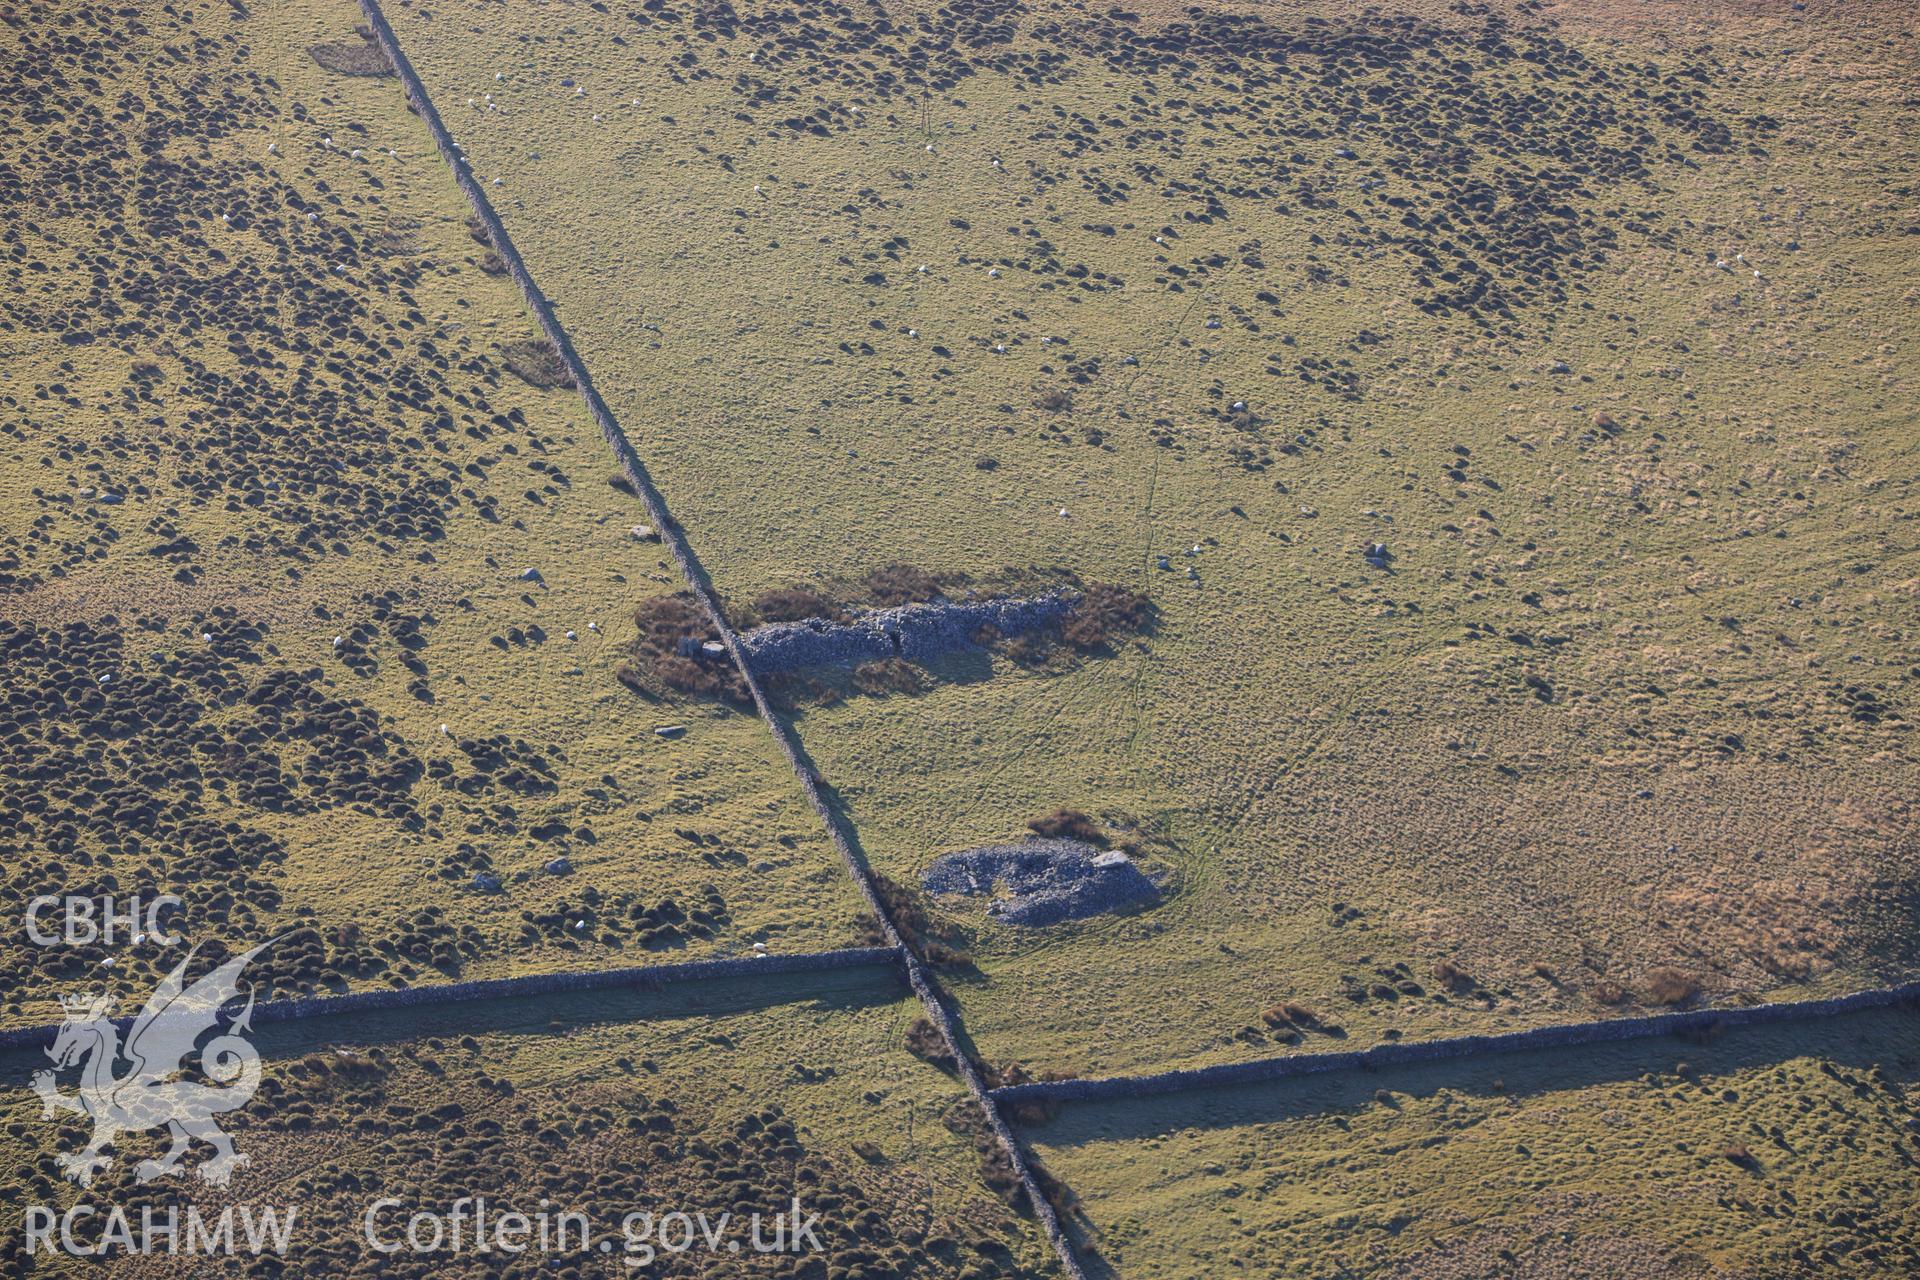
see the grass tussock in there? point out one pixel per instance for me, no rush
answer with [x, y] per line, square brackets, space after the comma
[1668, 986]
[536, 362]
[1288, 1014]
[1452, 976]
[354, 57]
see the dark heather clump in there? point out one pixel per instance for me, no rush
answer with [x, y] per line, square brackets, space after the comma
[537, 363]
[1105, 613]
[670, 652]
[898, 584]
[1069, 824]
[795, 604]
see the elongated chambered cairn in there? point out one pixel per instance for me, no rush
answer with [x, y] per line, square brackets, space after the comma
[674, 538]
[911, 631]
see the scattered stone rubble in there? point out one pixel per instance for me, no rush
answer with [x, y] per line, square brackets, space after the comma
[1043, 882]
[916, 632]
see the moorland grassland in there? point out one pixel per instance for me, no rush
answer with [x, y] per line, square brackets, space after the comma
[710, 1098]
[1521, 400]
[1480, 441]
[1764, 1152]
[271, 496]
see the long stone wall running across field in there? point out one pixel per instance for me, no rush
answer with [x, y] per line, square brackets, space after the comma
[538, 984]
[1401, 1054]
[676, 543]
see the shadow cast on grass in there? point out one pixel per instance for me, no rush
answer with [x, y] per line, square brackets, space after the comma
[845, 990]
[1881, 1037]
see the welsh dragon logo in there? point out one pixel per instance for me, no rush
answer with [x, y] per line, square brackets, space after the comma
[149, 1093]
